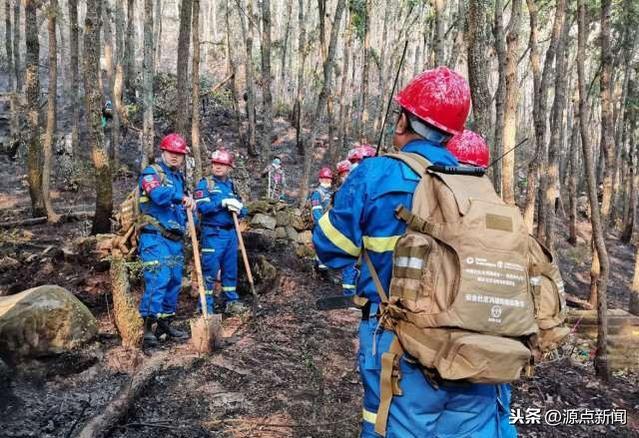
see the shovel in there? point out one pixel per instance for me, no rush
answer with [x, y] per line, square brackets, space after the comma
[249, 275]
[206, 329]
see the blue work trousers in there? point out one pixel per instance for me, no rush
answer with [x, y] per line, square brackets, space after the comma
[162, 264]
[474, 411]
[219, 253]
[349, 280]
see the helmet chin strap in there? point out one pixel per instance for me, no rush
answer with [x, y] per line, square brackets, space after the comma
[427, 132]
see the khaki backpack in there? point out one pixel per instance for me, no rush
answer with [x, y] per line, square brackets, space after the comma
[472, 296]
[129, 218]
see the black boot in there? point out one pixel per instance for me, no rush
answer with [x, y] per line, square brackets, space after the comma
[164, 326]
[149, 337]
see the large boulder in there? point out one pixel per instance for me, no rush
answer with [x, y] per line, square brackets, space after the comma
[263, 221]
[42, 321]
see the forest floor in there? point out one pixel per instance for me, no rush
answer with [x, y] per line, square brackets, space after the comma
[289, 372]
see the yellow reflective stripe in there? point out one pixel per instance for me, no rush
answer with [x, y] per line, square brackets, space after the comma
[380, 244]
[368, 416]
[144, 199]
[208, 249]
[164, 315]
[151, 263]
[336, 237]
[348, 286]
[228, 288]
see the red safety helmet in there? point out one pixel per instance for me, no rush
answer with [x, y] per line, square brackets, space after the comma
[325, 172]
[367, 151]
[222, 156]
[470, 148]
[343, 167]
[354, 155]
[439, 97]
[174, 143]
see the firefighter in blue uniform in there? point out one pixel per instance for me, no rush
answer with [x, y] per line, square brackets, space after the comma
[434, 106]
[163, 200]
[349, 273]
[216, 201]
[320, 200]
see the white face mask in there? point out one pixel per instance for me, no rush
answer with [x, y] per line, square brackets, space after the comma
[326, 185]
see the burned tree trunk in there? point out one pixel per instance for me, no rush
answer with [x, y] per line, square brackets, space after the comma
[51, 112]
[500, 93]
[16, 45]
[601, 360]
[74, 104]
[195, 80]
[607, 125]
[552, 193]
[266, 80]
[92, 100]
[363, 119]
[574, 172]
[247, 30]
[184, 39]
[510, 105]
[478, 69]
[7, 43]
[232, 70]
[129, 57]
[439, 31]
[301, 49]
[32, 82]
[147, 84]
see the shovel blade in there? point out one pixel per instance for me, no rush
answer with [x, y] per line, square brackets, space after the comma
[206, 333]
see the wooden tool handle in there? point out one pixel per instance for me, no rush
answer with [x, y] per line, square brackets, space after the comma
[198, 262]
[243, 250]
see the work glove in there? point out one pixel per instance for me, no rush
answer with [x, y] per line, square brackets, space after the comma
[232, 204]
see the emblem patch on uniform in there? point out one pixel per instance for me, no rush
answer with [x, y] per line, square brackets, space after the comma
[199, 194]
[150, 182]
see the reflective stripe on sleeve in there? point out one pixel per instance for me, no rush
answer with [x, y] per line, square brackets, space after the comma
[143, 199]
[380, 244]
[208, 249]
[228, 288]
[336, 237]
[348, 286]
[317, 207]
[203, 200]
[368, 416]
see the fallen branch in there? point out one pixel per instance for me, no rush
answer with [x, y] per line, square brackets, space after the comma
[101, 425]
[78, 216]
[220, 84]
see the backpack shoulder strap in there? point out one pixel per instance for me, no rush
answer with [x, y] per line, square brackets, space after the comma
[416, 162]
[158, 169]
[210, 183]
